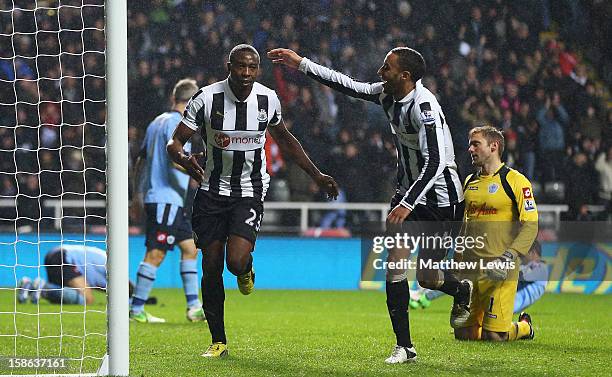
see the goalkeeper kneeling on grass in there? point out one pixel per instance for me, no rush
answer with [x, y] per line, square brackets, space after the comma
[501, 210]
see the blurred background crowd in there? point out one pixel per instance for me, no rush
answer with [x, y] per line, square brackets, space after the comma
[540, 70]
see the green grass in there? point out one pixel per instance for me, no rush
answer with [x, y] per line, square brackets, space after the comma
[321, 333]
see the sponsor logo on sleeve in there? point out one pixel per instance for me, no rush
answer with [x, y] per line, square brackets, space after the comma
[527, 194]
[427, 115]
[529, 205]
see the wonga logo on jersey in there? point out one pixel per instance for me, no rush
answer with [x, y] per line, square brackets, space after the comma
[238, 140]
[222, 140]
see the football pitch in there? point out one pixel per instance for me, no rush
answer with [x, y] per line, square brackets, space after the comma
[322, 333]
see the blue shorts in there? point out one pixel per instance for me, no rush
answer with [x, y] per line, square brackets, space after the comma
[167, 225]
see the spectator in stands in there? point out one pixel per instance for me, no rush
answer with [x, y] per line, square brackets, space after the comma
[603, 165]
[501, 66]
[553, 120]
[577, 193]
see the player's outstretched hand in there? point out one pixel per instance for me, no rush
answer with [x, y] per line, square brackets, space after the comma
[285, 56]
[192, 167]
[329, 185]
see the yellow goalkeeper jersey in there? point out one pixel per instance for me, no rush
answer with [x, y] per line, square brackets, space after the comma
[501, 207]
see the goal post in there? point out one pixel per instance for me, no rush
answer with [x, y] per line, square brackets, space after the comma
[117, 190]
[63, 184]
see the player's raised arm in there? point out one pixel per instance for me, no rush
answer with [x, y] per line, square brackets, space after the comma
[181, 135]
[335, 80]
[292, 148]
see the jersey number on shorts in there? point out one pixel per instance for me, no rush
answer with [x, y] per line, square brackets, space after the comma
[251, 221]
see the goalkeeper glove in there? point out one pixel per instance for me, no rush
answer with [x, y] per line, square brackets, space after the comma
[502, 264]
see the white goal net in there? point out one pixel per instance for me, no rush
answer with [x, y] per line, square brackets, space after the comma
[52, 185]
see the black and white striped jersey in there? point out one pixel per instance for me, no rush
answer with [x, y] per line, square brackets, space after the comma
[426, 168]
[235, 134]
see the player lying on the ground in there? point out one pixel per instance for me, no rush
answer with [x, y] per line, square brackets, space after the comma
[164, 187]
[531, 286]
[68, 283]
[501, 211]
[532, 279]
[73, 271]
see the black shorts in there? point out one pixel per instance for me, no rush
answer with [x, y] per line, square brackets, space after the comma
[167, 225]
[434, 220]
[58, 271]
[216, 217]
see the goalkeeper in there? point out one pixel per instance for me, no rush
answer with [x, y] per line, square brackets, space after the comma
[501, 210]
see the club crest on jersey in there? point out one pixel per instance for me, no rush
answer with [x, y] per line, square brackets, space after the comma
[493, 188]
[222, 140]
[262, 116]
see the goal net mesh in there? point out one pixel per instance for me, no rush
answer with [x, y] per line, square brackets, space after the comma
[52, 179]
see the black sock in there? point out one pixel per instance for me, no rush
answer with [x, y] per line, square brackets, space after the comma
[398, 295]
[213, 299]
[450, 285]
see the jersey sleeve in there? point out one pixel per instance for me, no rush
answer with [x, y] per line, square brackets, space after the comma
[527, 213]
[341, 82]
[276, 111]
[142, 153]
[193, 116]
[431, 143]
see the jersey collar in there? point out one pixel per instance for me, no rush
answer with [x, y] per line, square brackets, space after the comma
[499, 169]
[479, 172]
[412, 93]
[230, 93]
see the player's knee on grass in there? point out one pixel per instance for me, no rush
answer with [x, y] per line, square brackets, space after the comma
[467, 333]
[429, 279]
[493, 336]
[155, 257]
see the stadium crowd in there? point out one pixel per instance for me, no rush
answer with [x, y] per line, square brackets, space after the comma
[497, 63]
[528, 67]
